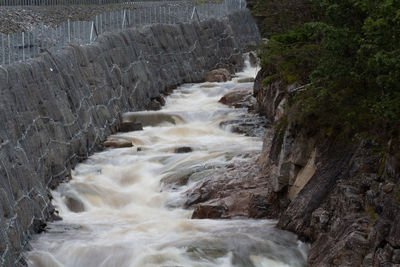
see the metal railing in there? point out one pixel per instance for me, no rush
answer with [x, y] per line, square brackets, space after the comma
[22, 46]
[67, 2]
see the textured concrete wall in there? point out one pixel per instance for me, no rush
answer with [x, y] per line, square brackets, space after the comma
[57, 109]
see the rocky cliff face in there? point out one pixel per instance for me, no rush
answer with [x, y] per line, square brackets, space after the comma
[58, 108]
[343, 198]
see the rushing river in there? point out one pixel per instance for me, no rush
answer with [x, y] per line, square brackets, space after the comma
[115, 212]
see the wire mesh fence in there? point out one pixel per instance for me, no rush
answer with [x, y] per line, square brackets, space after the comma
[25, 45]
[66, 2]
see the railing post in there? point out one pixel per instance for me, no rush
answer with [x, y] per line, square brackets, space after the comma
[29, 45]
[3, 49]
[69, 31]
[165, 15]
[123, 19]
[77, 35]
[23, 46]
[101, 23]
[9, 48]
[195, 12]
[91, 32]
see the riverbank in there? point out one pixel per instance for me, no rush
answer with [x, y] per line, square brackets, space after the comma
[129, 206]
[342, 196]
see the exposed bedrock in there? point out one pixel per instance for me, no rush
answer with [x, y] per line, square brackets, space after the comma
[58, 108]
[235, 189]
[344, 198]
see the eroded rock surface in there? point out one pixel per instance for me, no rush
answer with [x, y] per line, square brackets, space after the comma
[230, 194]
[341, 197]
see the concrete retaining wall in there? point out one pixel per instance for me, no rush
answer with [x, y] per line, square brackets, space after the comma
[57, 109]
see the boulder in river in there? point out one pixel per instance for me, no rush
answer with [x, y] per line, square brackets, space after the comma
[245, 80]
[208, 85]
[209, 211]
[218, 75]
[248, 124]
[130, 126]
[151, 118]
[184, 149]
[156, 103]
[231, 193]
[117, 143]
[240, 98]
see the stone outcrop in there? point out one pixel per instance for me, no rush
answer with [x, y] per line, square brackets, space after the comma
[342, 197]
[228, 193]
[58, 108]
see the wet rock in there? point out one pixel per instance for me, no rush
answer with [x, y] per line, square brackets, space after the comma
[350, 244]
[237, 191]
[153, 105]
[387, 188]
[74, 204]
[203, 211]
[62, 228]
[253, 59]
[239, 98]
[320, 217]
[183, 176]
[394, 235]
[208, 86]
[176, 179]
[218, 75]
[368, 260]
[260, 206]
[245, 80]
[184, 149]
[39, 225]
[55, 217]
[129, 126]
[160, 99]
[392, 162]
[396, 256]
[151, 118]
[269, 97]
[118, 143]
[249, 124]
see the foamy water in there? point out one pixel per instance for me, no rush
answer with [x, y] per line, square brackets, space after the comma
[115, 212]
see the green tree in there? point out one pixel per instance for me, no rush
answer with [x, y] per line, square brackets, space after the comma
[348, 54]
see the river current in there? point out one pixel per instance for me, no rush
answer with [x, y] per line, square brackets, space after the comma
[116, 212]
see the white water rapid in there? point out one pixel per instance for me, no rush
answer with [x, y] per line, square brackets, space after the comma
[116, 213]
